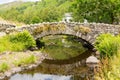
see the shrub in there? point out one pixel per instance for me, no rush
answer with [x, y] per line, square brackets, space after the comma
[17, 42]
[3, 67]
[24, 38]
[107, 44]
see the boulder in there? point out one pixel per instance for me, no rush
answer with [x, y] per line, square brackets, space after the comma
[92, 60]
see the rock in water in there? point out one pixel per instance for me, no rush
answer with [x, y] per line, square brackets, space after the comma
[92, 60]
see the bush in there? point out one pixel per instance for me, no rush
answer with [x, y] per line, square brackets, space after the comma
[107, 44]
[24, 38]
[17, 42]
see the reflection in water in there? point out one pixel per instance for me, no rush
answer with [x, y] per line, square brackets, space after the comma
[62, 47]
[38, 76]
[53, 72]
[68, 61]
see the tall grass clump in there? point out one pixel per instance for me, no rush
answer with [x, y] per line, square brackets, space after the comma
[107, 44]
[16, 42]
[109, 68]
[109, 48]
[25, 60]
[3, 67]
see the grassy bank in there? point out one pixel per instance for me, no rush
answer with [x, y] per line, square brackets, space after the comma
[110, 68]
[8, 61]
[109, 48]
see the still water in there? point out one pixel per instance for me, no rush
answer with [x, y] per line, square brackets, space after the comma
[38, 76]
[68, 61]
[53, 72]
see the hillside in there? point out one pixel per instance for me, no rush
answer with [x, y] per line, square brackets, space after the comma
[8, 6]
[35, 12]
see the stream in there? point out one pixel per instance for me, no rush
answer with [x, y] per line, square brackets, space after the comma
[59, 67]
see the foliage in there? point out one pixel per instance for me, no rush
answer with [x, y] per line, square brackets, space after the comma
[3, 67]
[110, 69]
[107, 44]
[106, 11]
[23, 37]
[109, 47]
[35, 12]
[16, 42]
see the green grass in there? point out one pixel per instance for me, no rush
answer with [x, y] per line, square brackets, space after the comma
[109, 48]
[16, 59]
[25, 60]
[3, 67]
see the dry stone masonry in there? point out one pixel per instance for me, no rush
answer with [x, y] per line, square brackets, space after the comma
[86, 31]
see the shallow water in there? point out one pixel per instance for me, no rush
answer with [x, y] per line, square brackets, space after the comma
[45, 71]
[38, 76]
[69, 67]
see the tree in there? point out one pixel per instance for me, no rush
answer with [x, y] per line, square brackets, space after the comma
[31, 12]
[107, 11]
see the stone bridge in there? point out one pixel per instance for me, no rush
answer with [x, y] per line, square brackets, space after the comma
[86, 31]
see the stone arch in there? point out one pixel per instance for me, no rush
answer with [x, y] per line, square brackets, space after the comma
[71, 60]
[86, 31]
[79, 31]
[85, 43]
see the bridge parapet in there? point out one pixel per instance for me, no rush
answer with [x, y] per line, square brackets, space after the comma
[3, 26]
[86, 31]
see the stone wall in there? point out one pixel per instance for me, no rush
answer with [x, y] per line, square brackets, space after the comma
[3, 27]
[94, 29]
[86, 31]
